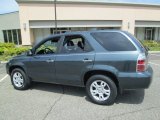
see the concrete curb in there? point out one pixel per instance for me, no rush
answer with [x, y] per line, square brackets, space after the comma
[3, 62]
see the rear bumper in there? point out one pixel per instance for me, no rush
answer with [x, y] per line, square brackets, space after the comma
[136, 80]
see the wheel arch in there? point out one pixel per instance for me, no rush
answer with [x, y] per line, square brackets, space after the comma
[14, 67]
[109, 74]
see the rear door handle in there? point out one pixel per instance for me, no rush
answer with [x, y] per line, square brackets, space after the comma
[87, 60]
[49, 60]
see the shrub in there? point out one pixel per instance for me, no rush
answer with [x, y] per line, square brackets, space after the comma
[7, 45]
[8, 50]
[152, 45]
[1, 51]
[21, 49]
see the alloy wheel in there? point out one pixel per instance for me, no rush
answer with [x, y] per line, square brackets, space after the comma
[100, 90]
[18, 79]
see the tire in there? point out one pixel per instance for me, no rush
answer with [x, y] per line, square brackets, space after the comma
[19, 79]
[101, 90]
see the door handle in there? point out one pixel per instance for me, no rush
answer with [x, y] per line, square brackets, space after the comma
[49, 60]
[87, 60]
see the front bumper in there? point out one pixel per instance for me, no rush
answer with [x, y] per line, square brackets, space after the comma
[137, 80]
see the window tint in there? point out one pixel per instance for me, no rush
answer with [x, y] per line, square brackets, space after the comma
[75, 44]
[138, 42]
[113, 41]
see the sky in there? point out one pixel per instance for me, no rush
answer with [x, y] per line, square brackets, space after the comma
[7, 6]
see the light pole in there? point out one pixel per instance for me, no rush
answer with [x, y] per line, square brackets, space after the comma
[55, 12]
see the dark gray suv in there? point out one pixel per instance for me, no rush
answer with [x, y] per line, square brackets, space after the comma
[104, 62]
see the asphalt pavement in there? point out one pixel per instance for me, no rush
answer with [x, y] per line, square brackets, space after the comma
[57, 102]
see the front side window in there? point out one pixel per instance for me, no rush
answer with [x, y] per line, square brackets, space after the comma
[113, 41]
[48, 47]
[75, 44]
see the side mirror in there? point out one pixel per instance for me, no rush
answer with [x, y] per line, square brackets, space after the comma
[29, 53]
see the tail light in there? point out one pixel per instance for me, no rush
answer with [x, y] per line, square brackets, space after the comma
[142, 63]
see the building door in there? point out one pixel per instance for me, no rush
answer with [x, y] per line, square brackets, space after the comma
[149, 33]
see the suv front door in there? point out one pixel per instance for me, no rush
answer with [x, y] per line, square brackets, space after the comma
[76, 56]
[41, 65]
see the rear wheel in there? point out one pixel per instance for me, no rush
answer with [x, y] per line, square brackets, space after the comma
[101, 89]
[19, 79]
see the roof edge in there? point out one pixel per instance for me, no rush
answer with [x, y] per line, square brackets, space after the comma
[8, 12]
[89, 2]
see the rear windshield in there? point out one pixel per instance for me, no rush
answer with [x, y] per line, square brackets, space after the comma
[113, 41]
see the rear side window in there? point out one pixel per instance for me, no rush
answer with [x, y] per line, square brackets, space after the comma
[75, 44]
[138, 42]
[113, 41]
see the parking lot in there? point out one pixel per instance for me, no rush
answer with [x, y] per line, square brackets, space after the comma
[56, 102]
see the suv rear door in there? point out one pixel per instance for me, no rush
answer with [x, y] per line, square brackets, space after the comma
[76, 56]
[119, 51]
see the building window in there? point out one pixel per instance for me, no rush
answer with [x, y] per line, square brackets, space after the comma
[19, 37]
[59, 30]
[149, 33]
[15, 38]
[12, 36]
[5, 36]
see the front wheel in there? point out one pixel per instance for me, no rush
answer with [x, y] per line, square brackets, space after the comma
[19, 79]
[101, 90]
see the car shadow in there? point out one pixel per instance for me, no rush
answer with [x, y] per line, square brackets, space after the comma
[61, 89]
[131, 97]
[128, 97]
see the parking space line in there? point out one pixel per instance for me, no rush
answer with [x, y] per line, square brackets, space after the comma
[4, 78]
[154, 64]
